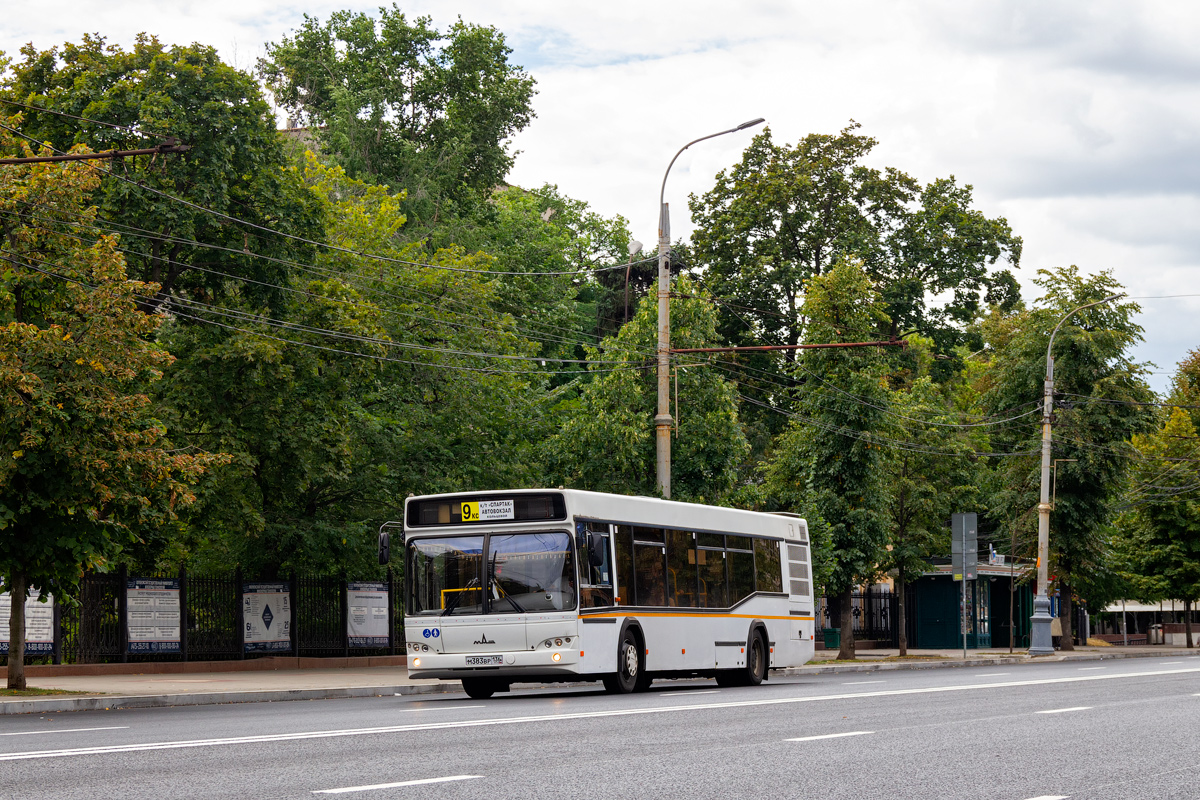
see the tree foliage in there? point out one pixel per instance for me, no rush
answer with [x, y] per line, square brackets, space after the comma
[235, 165]
[607, 441]
[784, 215]
[1097, 386]
[419, 109]
[86, 465]
[829, 458]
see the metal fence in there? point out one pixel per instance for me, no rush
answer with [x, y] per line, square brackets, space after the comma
[875, 613]
[90, 631]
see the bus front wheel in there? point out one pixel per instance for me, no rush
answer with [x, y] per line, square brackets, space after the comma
[629, 666]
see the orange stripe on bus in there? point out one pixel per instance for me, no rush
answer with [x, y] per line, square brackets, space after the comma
[676, 614]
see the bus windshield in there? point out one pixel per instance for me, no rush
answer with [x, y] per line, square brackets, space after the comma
[524, 572]
[531, 572]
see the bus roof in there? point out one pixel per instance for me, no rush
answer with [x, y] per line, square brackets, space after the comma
[653, 511]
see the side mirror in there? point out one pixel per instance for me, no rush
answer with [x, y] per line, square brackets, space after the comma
[385, 548]
[595, 548]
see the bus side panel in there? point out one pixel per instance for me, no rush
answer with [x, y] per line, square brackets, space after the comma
[598, 641]
[679, 641]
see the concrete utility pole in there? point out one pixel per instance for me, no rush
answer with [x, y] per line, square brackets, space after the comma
[662, 420]
[1040, 640]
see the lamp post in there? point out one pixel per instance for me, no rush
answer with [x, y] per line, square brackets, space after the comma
[662, 419]
[1040, 642]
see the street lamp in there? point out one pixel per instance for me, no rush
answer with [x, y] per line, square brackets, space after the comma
[662, 420]
[1040, 642]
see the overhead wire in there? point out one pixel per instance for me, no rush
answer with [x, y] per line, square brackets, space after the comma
[352, 279]
[323, 332]
[327, 245]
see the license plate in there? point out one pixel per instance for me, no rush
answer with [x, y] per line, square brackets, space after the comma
[485, 661]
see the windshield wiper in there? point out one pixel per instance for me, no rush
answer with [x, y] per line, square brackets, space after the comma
[454, 601]
[496, 587]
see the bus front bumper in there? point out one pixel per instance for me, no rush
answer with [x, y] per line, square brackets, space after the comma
[494, 665]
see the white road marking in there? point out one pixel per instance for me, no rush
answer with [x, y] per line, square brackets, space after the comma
[420, 782]
[688, 692]
[1064, 710]
[66, 730]
[859, 683]
[1050, 797]
[992, 674]
[625, 712]
[436, 708]
[829, 736]
[1169, 663]
[1085, 669]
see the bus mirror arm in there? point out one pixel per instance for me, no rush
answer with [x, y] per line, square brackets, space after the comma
[385, 549]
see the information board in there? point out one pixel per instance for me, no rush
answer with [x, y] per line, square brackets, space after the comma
[152, 616]
[367, 614]
[964, 545]
[39, 623]
[266, 617]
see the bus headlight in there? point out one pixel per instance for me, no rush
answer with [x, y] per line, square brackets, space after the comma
[416, 662]
[556, 657]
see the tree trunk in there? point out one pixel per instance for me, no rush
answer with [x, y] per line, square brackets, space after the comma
[1187, 622]
[901, 612]
[1065, 609]
[16, 633]
[846, 603]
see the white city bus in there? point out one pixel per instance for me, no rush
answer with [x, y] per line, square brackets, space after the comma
[564, 585]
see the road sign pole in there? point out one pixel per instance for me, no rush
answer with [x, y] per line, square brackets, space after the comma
[964, 613]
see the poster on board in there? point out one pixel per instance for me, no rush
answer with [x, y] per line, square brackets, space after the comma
[39, 624]
[152, 615]
[367, 614]
[266, 617]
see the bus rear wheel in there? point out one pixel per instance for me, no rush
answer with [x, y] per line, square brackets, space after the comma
[628, 676]
[480, 688]
[756, 665]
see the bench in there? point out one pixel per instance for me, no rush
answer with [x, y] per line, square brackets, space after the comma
[1119, 638]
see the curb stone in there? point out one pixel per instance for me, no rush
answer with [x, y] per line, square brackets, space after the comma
[887, 666]
[48, 705]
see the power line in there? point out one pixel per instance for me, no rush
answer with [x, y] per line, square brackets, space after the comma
[351, 278]
[335, 334]
[334, 247]
[128, 128]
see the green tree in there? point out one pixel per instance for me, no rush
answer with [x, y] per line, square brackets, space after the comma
[236, 165]
[932, 473]
[377, 380]
[543, 231]
[786, 214]
[831, 459]
[1164, 529]
[607, 438]
[86, 463]
[419, 109]
[1098, 387]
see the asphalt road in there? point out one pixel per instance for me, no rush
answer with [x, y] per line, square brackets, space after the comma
[1121, 729]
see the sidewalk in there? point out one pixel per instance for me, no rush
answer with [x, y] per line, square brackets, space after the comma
[148, 690]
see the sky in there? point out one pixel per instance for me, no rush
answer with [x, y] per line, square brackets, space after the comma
[1079, 122]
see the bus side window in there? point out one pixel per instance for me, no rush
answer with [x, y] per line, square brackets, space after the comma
[766, 559]
[597, 589]
[623, 536]
[682, 578]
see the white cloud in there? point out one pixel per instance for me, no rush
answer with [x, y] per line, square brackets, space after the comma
[1079, 121]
